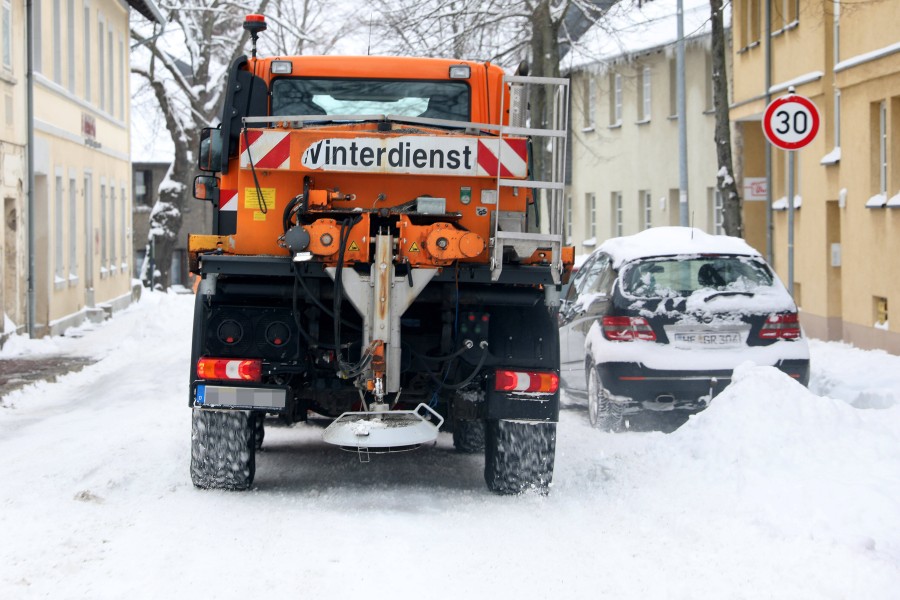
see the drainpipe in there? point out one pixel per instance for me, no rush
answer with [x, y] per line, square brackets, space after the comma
[680, 101]
[770, 225]
[29, 102]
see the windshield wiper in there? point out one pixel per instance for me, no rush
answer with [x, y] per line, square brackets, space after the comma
[718, 294]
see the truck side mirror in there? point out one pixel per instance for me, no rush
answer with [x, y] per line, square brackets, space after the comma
[206, 187]
[209, 158]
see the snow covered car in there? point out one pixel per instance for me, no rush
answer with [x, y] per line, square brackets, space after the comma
[657, 321]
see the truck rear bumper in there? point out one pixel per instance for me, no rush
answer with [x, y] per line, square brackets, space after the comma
[226, 396]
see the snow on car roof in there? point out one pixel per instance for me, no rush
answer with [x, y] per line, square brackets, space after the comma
[672, 241]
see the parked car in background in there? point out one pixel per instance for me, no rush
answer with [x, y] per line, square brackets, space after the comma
[657, 321]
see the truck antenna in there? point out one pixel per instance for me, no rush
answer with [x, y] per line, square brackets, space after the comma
[255, 24]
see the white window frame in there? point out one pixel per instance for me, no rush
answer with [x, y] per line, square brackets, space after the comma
[123, 202]
[111, 76]
[6, 24]
[101, 68]
[88, 67]
[569, 219]
[592, 214]
[591, 101]
[57, 42]
[717, 211]
[837, 118]
[619, 210]
[103, 241]
[59, 255]
[70, 44]
[112, 227]
[647, 208]
[617, 99]
[646, 91]
[121, 78]
[37, 7]
[73, 225]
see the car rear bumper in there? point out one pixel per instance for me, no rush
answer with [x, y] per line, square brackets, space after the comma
[653, 389]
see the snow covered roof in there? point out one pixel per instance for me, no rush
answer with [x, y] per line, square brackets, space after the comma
[672, 241]
[628, 29]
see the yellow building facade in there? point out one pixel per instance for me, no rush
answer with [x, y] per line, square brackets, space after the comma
[845, 57]
[13, 175]
[82, 163]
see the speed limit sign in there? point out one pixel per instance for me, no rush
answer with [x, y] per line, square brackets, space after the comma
[791, 122]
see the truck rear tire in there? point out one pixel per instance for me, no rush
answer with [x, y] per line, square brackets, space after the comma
[468, 436]
[223, 449]
[519, 456]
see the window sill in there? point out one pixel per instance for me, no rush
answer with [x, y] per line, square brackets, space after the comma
[672, 117]
[104, 272]
[642, 122]
[615, 126]
[7, 76]
[748, 47]
[587, 129]
[59, 283]
[73, 280]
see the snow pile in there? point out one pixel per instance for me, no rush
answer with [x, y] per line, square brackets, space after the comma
[863, 379]
[686, 241]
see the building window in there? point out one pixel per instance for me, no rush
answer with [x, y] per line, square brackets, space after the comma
[111, 80]
[836, 32]
[103, 252]
[785, 14]
[646, 203]
[58, 229]
[70, 43]
[121, 79]
[837, 118]
[710, 87]
[716, 211]
[101, 69]
[6, 24]
[112, 225]
[880, 306]
[591, 201]
[57, 42]
[143, 183]
[36, 33]
[617, 216]
[87, 53]
[124, 237]
[590, 102]
[73, 228]
[879, 148]
[673, 88]
[568, 219]
[644, 99]
[751, 26]
[615, 106]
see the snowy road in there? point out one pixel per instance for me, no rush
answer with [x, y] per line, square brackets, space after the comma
[773, 492]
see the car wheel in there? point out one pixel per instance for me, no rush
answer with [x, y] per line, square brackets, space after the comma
[603, 413]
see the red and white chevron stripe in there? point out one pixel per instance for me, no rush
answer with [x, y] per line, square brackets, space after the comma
[268, 149]
[506, 158]
[228, 200]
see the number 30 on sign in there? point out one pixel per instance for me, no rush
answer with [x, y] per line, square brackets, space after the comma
[791, 122]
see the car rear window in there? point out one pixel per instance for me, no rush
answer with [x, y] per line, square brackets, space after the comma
[674, 277]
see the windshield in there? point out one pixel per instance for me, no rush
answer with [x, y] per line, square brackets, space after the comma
[296, 96]
[674, 277]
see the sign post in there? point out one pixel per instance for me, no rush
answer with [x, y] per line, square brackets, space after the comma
[791, 122]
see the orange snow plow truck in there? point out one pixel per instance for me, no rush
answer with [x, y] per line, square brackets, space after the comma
[379, 262]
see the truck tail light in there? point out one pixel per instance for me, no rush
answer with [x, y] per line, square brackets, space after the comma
[543, 382]
[627, 329]
[781, 326]
[234, 369]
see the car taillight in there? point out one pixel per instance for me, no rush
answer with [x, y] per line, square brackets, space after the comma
[526, 381]
[627, 329]
[781, 326]
[229, 368]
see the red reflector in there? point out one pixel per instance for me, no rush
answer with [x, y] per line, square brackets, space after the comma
[634, 378]
[234, 369]
[541, 382]
[257, 18]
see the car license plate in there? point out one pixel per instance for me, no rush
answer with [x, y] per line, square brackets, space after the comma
[708, 339]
